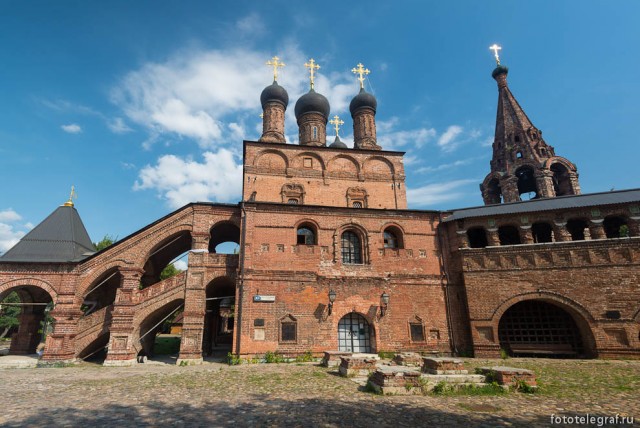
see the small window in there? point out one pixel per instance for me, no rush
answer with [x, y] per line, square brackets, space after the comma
[357, 204]
[390, 240]
[519, 155]
[417, 332]
[315, 132]
[517, 140]
[307, 162]
[292, 201]
[306, 236]
[351, 248]
[288, 331]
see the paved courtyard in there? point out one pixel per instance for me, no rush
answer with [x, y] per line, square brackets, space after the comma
[299, 395]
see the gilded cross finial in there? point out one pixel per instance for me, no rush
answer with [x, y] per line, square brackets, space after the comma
[275, 63]
[261, 115]
[362, 72]
[312, 66]
[495, 48]
[336, 122]
[73, 195]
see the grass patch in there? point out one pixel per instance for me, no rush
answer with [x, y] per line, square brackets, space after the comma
[444, 389]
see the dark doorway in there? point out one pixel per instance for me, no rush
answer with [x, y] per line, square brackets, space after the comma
[534, 328]
[542, 232]
[509, 235]
[477, 237]
[576, 228]
[219, 318]
[354, 334]
[616, 227]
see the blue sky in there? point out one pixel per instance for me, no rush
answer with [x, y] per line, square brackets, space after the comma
[143, 105]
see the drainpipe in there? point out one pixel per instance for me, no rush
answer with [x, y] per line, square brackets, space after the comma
[444, 274]
[240, 301]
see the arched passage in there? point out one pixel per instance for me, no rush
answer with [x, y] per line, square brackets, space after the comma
[34, 304]
[219, 318]
[616, 227]
[354, 334]
[225, 238]
[162, 254]
[542, 329]
[561, 180]
[477, 237]
[158, 322]
[527, 188]
[102, 292]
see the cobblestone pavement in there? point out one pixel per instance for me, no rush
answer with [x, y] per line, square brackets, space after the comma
[299, 395]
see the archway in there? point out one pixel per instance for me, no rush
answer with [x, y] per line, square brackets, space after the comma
[541, 232]
[102, 292]
[561, 180]
[156, 339]
[477, 237]
[536, 328]
[354, 334]
[493, 192]
[33, 318]
[527, 188]
[162, 255]
[219, 318]
[615, 227]
[225, 238]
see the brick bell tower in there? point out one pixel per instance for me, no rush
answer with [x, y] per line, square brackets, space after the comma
[312, 113]
[523, 166]
[274, 100]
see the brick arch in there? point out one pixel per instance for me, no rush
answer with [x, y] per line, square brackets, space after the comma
[30, 281]
[159, 238]
[362, 233]
[582, 317]
[337, 315]
[393, 225]
[90, 279]
[491, 176]
[368, 162]
[149, 309]
[559, 159]
[331, 164]
[267, 156]
[297, 160]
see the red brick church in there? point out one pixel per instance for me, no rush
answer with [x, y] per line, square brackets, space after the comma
[330, 258]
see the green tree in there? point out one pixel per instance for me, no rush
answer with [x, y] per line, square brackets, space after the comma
[9, 314]
[169, 271]
[107, 241]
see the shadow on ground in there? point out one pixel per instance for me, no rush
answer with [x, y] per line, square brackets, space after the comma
[265, 411]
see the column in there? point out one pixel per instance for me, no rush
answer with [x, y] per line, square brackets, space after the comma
[596, 229]
[544, 181]
[526, 236]
[60, 344]
[26, 340]
[463, 239]
[562, 234]
[509, 186]
[492, 237]
[194, 313]
[575, 184]
[123, 347]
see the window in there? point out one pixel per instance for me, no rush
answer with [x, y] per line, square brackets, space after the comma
[477, 237]
[390, 240]
[509, 235]
[351, 248]
[417, 332]
[357, 204]
[315, 132]
[542, 232]
[292, 201]
[306, 236]
[288, 331]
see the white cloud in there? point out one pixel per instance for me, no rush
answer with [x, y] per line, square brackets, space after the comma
[9, 215]
[436, 193]
[487, 142]
[117, 125]
[445, 166]
[417, 137]
[447, 141]
[200, 94]
[180, 181]
[72, 128]
[251, 25]
[9, 233]
[180, 264]
[127, 165]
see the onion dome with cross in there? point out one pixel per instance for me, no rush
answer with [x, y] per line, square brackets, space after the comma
[337, 143]
[312, 101]
[274, 92]
[363, 99]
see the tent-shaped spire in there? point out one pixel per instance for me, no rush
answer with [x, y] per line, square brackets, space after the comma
[59, 238]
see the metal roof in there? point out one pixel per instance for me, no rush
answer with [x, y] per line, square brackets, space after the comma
[549, 204]
[61, 237]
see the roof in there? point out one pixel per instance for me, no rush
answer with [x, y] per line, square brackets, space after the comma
[549, 204]
[61, 237]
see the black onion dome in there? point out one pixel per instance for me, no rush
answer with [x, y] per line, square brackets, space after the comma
[274, 92]
[312, 102]
[338, 144]
[363, 99]
[501, 69]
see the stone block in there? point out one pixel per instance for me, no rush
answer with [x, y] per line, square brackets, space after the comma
[332, 358]
[410, 359]
[443, 366]
[508, 376]
[352, 366]
[397, 380]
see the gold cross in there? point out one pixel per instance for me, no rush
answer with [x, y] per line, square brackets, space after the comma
[362, 72]
[336, 122]
[261, 115]
[312, 66]
[275, 63]
[73, 195]
[495, 48]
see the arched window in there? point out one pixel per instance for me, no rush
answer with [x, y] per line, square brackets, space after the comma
[306, 235]
[561, 180]
[357, 204]
[351, 248]
[494, 193]
[509, 235]
[477, 237]
[315, 132]
[293, 201]
[615, 227]
[576, 228]
[393, 237]
[542, 232]
[527, 188]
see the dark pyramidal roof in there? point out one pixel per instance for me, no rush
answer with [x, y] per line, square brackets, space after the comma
[61, 237]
